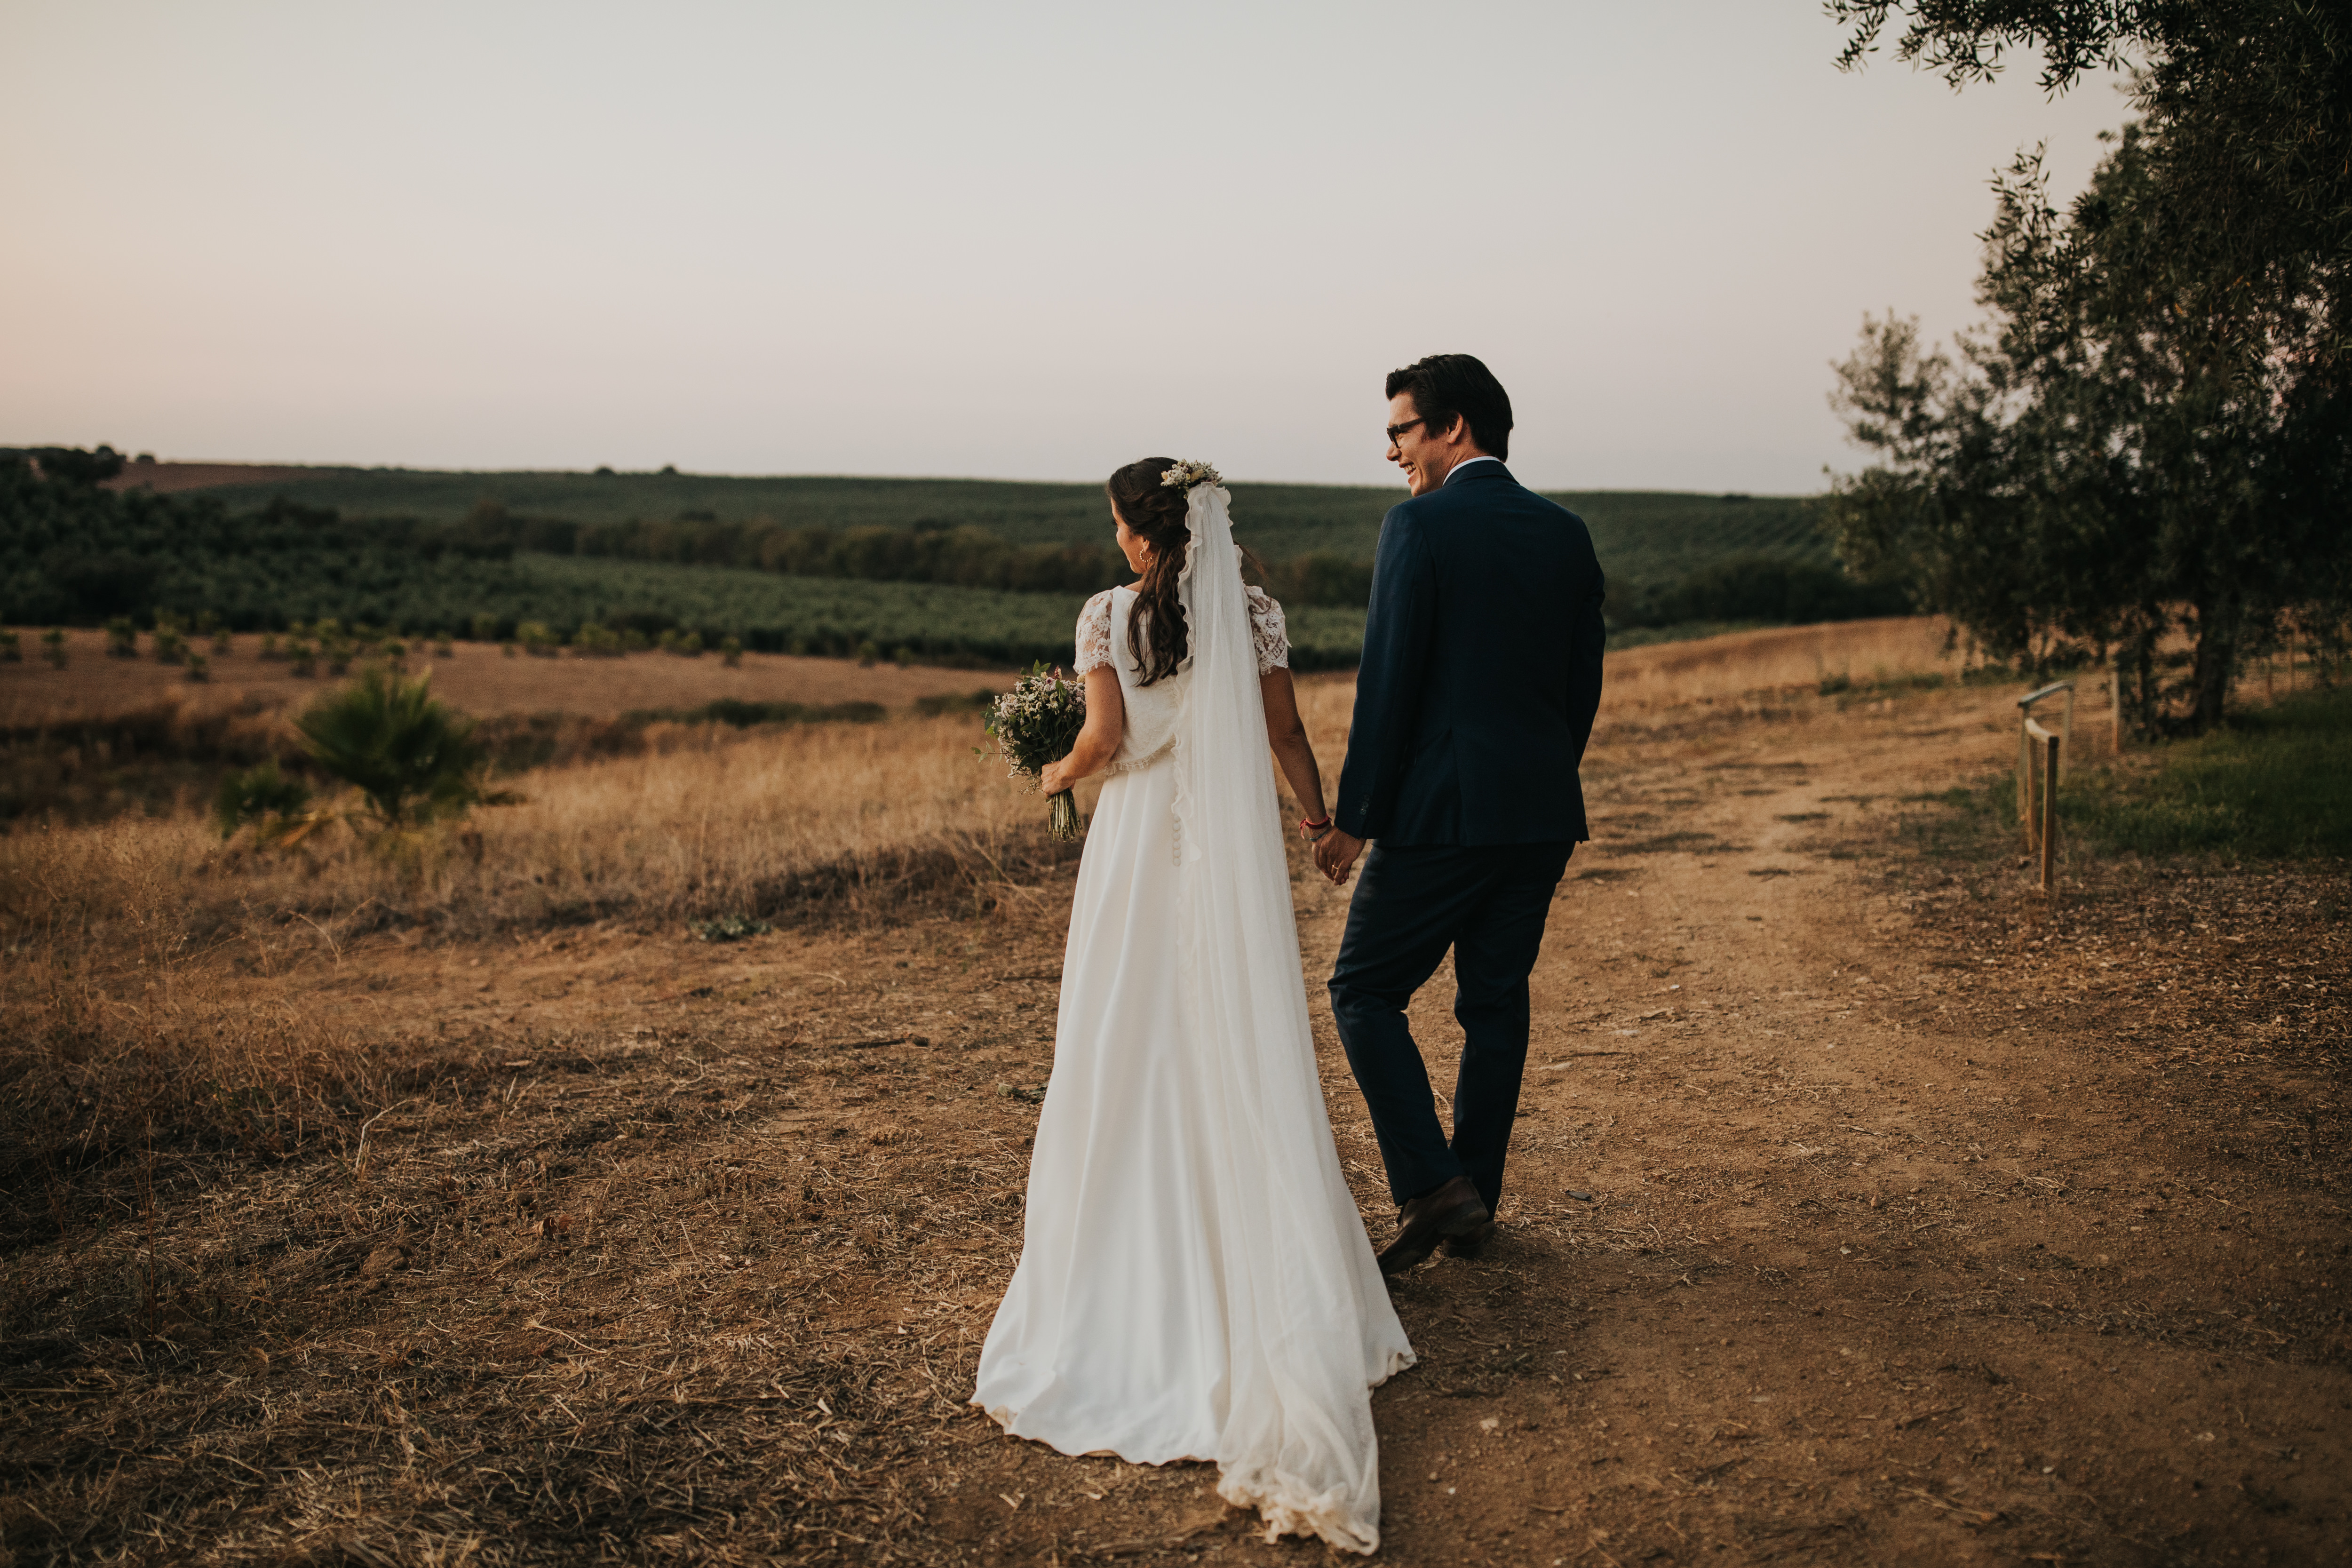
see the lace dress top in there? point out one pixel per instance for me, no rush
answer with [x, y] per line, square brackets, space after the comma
[1153, 711]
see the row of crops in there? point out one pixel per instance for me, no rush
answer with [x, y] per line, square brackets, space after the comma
[71, 553]
[1642, 536]
[74, 554]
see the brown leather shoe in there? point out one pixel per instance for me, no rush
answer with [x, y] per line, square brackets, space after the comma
[1470, 1242]
[1453, 1209]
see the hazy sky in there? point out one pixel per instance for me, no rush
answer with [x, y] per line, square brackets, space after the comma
[1019, 240]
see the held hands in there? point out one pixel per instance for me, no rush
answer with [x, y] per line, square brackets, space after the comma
[1335, 855]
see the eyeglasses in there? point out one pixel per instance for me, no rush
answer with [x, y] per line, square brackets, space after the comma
[1397, 430]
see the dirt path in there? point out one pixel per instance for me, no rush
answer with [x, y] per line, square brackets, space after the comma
[1886, 1260]
[1924, 1225]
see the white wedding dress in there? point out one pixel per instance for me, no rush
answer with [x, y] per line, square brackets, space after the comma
[1195, 1282]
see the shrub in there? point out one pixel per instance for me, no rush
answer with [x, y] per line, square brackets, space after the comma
[413, 759]
[53, 647]
[486, 627]
[199, 668]
[170, 647]
[268, 648]
[595, 641]
[730, 652]
[537, 639]
[12, 650]
[305, 659]
[121, 638]
[261, 796]
[728, 927]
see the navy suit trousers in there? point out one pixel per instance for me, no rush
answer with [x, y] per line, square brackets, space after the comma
[1488, 903]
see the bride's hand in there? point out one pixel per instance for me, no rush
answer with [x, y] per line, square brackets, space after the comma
[1334, 855]
[1054, 777]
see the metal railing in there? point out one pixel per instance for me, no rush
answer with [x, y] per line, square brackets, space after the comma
[2037, 761]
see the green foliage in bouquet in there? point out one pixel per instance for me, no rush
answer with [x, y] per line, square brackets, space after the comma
[1037, 723]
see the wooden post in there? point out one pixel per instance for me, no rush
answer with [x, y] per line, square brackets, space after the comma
[2027, 732]
[2025, 782]
[2066, 722]
[2049, 813]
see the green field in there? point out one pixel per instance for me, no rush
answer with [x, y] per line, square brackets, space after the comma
[837, 615]
[941, 570]
[1642, 536]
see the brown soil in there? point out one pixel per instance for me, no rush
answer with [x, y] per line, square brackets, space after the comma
[1930, 1222]
[474, 677]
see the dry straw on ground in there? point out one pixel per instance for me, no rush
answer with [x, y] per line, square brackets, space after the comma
[472, 1212]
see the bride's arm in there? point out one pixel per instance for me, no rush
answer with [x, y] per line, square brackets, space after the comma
[1106, 720]
[1286, 733]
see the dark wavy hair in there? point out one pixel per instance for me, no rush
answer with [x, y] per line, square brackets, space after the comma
[1446, 386]
[1155, 632]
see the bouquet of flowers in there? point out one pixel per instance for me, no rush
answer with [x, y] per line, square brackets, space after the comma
[1038, 723]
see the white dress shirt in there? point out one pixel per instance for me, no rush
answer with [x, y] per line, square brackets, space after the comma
[1465, 463]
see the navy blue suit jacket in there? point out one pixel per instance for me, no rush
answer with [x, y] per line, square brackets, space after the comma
[1481, 670]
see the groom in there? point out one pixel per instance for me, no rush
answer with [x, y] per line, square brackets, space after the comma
[1480, 678]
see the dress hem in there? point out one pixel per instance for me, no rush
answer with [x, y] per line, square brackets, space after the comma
[1287, 1505]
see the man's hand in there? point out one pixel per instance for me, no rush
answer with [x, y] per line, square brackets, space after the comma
[1335, 855]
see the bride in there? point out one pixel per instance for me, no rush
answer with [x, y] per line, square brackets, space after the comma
[1194, 1281]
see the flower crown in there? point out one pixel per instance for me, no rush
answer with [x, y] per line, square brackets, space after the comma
[1185, 475]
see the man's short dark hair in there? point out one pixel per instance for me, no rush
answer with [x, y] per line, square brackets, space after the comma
[1444, 385]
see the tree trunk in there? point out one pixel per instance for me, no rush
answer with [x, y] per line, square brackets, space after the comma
[2216, 666]
[2144, 709]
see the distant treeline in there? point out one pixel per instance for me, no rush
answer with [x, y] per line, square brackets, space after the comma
[1747, 587]
[71, 553]
[74, 554]
[1767, 588]
[964, 557]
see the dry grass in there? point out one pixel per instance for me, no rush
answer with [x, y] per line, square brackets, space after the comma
[473, 677]
[1749, 664]
[708, 822]
[571, 1293]
[333, 1246]
[469, 1212]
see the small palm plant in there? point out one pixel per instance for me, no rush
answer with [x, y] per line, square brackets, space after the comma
[413, 760]
[266, 798]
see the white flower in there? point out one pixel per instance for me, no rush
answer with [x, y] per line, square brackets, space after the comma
[1186, 475]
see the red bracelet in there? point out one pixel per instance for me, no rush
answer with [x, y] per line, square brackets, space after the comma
[1307, 827]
